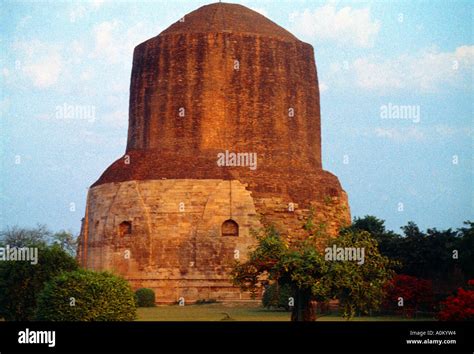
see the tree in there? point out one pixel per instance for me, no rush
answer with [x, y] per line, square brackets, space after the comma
[66, 241]
[38, 236]
[387, 240]
[84, 295]
[21, 281]
[277, 296]
[465, 247]
[25, 237]
[313, 278]
[429, 254]
[359, 287]
[407, 295]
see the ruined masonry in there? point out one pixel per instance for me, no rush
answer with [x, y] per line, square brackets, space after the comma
[166, 216]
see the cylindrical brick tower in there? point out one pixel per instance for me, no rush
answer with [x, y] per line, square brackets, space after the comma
[224, 137]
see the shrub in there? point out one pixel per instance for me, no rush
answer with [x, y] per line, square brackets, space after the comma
[417, 295]
[206, 301]
[145, 297]
[277, 296]
[85, 295]
[21, 281]
[459, 307]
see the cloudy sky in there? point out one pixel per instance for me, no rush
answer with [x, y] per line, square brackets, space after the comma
[396, 98]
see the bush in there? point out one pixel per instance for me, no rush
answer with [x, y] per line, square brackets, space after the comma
[145, 297]
[459, 307]
[21, 281]
[277, 296]
[206, 301]
[417, 295]
[85, 295]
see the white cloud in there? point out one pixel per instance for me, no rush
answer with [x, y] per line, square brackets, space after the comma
[400, 134]
[419, 133]
[448, 131]
[45, 72]
[78, 12]
[106, 44]
[429, 70]
[115, 42]
[87, 74]
[82, 9]
[344, 26]
[41, 63]
[5, 72]
[322, 86]
[97, 3]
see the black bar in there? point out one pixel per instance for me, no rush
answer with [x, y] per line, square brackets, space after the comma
[212, 337]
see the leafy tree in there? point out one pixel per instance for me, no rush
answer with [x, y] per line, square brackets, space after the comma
[388, 241]
[359, 288]
[277, 296]
[425, 254]
[66, 241]
[85, 295]
[40, 235]
[21, 281]
[465, 247]
[304, 268]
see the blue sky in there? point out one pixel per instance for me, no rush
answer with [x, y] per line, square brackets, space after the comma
[416, 57]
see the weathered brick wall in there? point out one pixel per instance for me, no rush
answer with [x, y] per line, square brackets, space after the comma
[175, 240]
[175, 246]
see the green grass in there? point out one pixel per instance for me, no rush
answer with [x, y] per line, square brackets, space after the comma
[237, 312]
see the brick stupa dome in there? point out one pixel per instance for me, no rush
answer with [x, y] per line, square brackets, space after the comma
[222, 79]
[222, 17]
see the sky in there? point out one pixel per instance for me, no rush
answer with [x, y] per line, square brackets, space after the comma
[396, 101]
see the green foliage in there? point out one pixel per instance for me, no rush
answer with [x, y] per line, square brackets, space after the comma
[85, 295]
[263, 260]
[309, 224]
[466, 249]
[21, 281]
[359, 288]
[427, 254]
[66, 241]
[145, 297]
[277, 296]
[304, 269]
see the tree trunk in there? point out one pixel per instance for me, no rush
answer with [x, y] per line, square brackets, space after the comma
[305, 307]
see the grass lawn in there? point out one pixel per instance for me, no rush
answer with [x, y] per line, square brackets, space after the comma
[237, 312]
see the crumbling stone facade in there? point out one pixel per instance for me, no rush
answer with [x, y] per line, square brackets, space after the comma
[167, 216]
